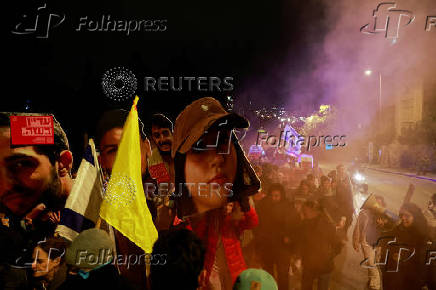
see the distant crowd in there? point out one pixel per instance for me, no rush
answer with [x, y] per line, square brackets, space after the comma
[279, 228]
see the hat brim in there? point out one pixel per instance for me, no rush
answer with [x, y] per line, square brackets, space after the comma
[231, 121]
[224, 121]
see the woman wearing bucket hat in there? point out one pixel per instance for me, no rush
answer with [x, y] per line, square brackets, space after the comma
[211, 170]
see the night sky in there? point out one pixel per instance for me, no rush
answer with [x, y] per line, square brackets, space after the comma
[62, 73]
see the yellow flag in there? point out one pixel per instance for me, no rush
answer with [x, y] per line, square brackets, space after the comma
[124, 205]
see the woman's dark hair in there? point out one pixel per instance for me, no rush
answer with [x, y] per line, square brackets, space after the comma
[54, 247]
[278, 187]
[183, 201]
[246, 183]
[300, 186]
[419, 220]
[313, 204]
[332, 175]
[324, 179]
[303, 182]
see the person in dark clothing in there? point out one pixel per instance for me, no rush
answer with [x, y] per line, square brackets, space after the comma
[273, 233]
[331, 205]
[430, 215]
[30, 175]
[184, 261]
[106, 278]
[304, 189]
[48, 267]
[161, 167]
[310, 179]
[344, 195]
[317, 246]
[325, 188]
[206, 152]
[332, 175]
[366, 234]
[90, 258]
[406, 262]
[108, 136]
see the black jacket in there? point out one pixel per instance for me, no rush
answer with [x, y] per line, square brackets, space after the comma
[318, 245]
[106, 278]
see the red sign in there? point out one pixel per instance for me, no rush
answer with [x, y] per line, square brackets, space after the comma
[32, 130]
[160, 173]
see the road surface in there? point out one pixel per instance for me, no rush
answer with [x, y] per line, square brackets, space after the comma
[393, 188]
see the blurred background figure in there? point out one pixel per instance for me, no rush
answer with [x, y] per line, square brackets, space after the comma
[273, 234]
[405, 270]
[90, 259]
[317, 247]
[49, 268]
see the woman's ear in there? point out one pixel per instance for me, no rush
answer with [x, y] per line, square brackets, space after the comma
[65, 163]
[56, 261]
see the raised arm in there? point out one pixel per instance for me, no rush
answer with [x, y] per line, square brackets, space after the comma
[409, 193]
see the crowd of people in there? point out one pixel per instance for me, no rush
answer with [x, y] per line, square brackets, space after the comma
[232, 224]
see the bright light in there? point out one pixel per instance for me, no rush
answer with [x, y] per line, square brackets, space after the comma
[368, 72]
[358, 177]
[324, 108]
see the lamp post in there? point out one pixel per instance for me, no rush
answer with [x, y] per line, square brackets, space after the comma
[368, 72]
